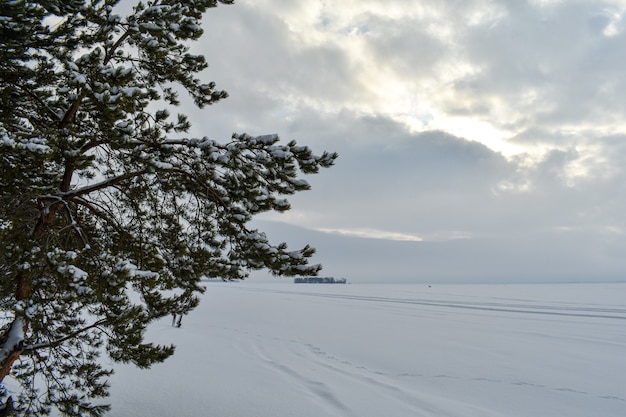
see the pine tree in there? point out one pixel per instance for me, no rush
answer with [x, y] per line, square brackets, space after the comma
[109, 215]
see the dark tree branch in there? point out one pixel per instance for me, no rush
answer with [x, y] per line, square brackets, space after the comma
[104, 184]
[33, 348]
[39, 101]
[211, 193]
[71, 112]
[111, 53]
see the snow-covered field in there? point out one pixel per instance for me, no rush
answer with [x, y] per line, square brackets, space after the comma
[303, 350]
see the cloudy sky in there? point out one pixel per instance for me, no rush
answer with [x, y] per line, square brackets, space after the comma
[479, 140]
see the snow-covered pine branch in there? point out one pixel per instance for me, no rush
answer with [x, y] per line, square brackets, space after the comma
[107, 221]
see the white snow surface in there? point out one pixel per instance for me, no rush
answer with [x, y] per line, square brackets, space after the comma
[364, 350]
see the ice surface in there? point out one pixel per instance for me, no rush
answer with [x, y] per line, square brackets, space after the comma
[280, 349]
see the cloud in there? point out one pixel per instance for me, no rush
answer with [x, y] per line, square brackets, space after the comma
[575, 256]
[373, 234]
[440, 187]
[400, 182]
[551, 66]
[480, 126]
[486, 71]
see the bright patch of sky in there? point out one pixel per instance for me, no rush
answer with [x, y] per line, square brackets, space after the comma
[375, 234]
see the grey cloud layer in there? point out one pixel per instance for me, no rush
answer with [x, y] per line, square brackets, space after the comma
[550, 75]
[562, 54]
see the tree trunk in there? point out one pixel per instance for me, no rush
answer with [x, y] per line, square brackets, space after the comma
[7, 408]
[12, 345]
[12, 341]
[7, 364]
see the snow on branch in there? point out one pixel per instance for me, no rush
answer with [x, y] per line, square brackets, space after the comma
[14, 341]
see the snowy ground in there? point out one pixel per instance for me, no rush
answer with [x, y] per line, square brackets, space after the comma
[304, 350]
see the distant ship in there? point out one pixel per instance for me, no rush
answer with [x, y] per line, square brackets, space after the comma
[320, 280]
